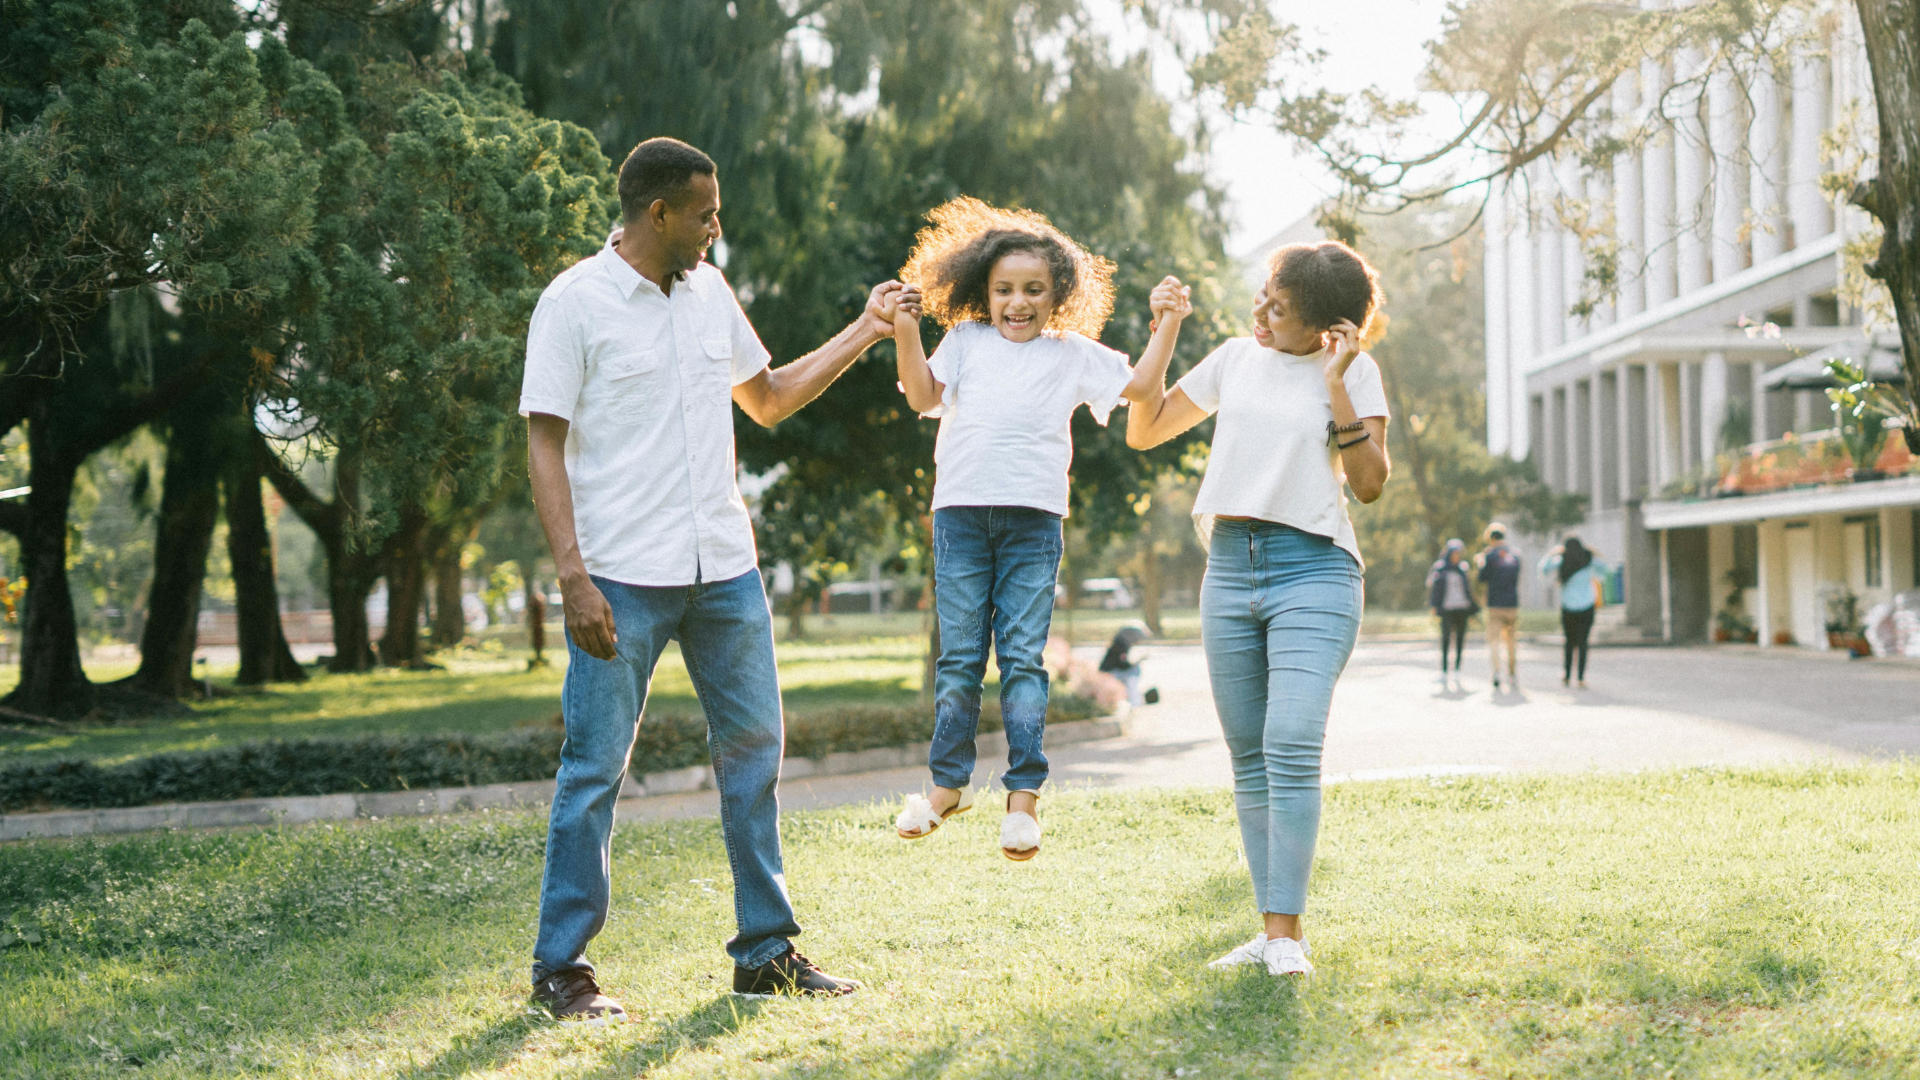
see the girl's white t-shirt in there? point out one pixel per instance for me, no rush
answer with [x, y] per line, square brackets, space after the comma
[1271, 458]
[1005, 415]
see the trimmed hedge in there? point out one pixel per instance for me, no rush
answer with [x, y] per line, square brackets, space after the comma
[407, 762]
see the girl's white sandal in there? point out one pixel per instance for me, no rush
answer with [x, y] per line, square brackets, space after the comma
[919, 819]
[1019, 836]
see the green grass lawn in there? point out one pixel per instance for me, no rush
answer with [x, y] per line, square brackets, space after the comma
[480, 691]
[1692, 924]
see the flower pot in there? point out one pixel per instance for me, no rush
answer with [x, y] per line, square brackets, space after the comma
[1853, 643]
[1860, 475]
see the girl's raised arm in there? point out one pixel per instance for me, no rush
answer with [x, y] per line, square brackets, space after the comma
[916, 378]
[1155, 415]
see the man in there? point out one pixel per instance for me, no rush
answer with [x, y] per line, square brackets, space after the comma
[632, 359]
[1499, 574]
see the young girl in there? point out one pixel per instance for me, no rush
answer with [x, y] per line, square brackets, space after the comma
[1301, 412]
[1022, 305]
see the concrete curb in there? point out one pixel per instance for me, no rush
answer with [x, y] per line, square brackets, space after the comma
[300, 809]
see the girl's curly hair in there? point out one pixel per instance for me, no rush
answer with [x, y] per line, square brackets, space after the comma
[953, 258]
[1328, 281]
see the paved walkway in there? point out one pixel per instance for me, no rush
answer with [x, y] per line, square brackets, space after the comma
[1647, 708]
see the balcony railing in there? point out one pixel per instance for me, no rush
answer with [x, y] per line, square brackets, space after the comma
[1813, 459]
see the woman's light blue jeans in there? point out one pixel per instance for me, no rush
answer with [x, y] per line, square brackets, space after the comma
[993, 573]
[726, 638]
[1279, 612]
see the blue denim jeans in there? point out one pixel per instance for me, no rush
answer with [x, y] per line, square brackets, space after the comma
[725, 632]
[1279, 612]
[994, 569]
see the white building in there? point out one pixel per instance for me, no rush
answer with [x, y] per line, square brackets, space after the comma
[1672, 396]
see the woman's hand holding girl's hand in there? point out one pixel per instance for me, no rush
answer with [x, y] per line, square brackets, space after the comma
[1170, 300]
[1343, 340]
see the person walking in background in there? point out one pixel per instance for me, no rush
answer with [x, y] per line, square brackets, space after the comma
[1450, 595]
[1572, 568]
[1120, 663]
[1302, 417]
[1499, 572]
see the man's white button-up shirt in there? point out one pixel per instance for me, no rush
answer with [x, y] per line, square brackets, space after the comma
[645, 382]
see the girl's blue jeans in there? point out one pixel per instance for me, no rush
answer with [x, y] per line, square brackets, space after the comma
[725, 632]
[994, 569]
[1279, 612]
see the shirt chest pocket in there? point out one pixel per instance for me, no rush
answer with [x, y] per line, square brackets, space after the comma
[630, 387]
[717, 359]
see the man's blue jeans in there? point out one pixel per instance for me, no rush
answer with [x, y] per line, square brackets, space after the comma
[725, 632]
[1279, 612]
[994, 569]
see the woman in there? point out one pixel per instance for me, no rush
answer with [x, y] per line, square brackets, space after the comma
[1301, 410]
[1450, 595]
[1572, 565]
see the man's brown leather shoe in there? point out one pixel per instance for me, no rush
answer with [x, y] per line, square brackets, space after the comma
[574, 995]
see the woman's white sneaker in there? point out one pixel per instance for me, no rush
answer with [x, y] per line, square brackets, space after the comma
[1253, 952]
[1285, 956]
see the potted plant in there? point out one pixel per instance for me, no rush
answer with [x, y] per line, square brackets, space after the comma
[1844, 628]
[1732, 622]
[1861, 409]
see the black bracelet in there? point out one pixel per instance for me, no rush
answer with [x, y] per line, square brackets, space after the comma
[1357, 441]
[1334, 431]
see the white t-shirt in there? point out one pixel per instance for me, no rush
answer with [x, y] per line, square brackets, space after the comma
[1271, 459]
[1005, 415]
[645, 381]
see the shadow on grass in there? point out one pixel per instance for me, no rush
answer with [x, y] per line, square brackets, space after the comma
[489, 1048]
[697, 1029]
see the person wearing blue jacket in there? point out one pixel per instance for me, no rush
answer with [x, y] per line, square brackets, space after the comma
[1572, 567]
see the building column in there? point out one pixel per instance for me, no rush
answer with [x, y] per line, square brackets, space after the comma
[1552, 441]
[1499, 356]
[1597, 486]
[1762, 586]
[1628, 432]
[1693, 215]
[1757, 420]
[1599, 207]
[1812, 215]
[1573, 259]
[1550, 325]
[1689, 431]
[1629, 223]
[1767, 167]
[1713, 404]
[1658, 189]
[1726, 131]
[1522, 347]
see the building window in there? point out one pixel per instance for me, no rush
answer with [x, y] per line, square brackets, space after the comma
[1746, 555]
[1862, 538]
[1823, 310]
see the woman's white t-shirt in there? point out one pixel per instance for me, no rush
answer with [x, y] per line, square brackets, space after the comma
[1005, 415]
[1271, 458]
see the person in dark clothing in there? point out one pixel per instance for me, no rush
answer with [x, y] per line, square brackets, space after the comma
[1571, 567]
[1450, 595]
[1121, 664]
[1500, 576]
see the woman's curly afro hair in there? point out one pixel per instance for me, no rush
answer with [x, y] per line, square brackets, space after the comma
[1328, 281]
[954, 257]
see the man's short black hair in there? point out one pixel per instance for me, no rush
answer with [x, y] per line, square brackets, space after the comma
[658, 169]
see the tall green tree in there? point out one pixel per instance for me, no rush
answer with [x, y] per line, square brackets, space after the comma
[139, 147]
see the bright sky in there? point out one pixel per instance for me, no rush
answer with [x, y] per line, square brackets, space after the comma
[1369, 42]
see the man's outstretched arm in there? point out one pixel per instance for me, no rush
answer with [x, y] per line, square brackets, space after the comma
[777, 393]
[589, 616]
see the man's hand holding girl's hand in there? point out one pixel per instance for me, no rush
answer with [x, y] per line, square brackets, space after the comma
[1170, 300]
[1342, 341]
[888, 304]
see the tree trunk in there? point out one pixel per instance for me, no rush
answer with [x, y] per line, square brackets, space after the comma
[350, 571]
[449, 618]
[264, 654]
[52, 682]
[536, 614]
[1891, 29]
[189, 505]
[1152, 581]
[1436, 527]
[797, 602]
[406, 566]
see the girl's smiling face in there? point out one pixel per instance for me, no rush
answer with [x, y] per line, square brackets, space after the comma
[1277, 326]
[1020, 295]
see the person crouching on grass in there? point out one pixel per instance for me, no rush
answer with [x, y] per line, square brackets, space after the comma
[1022, 305]
[1302, 412]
